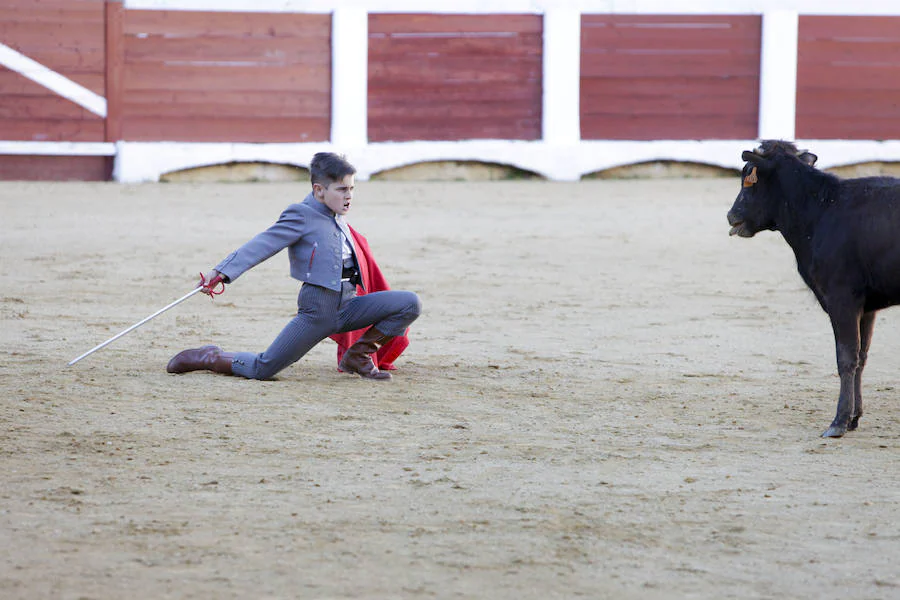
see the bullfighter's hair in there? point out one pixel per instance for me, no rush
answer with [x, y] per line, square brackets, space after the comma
[326, 168]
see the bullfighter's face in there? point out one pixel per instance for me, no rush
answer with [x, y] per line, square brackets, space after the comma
[751, 212]
[337, 196]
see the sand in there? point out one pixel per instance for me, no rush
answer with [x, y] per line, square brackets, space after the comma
[605, 397]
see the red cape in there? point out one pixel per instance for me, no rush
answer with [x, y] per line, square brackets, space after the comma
[373, 281]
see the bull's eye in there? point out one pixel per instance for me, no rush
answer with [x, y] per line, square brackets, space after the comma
[751, 178]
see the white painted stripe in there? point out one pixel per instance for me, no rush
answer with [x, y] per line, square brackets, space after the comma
[58, 148]
[349, 78]
[561, 118]
[146, 161]
[778, 75]
[52, 80]
[807, 7]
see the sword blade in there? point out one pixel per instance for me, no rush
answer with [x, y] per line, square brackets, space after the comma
[136, 325]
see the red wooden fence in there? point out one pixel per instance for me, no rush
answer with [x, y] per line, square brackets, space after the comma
[649, 77]
[848, 78]
[226, 77]
[68, 37]
[454, 77]
[266, 77]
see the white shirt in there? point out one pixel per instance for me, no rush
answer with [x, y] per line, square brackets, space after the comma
[346, 247]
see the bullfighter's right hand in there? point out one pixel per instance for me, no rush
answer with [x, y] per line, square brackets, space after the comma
[213, 283]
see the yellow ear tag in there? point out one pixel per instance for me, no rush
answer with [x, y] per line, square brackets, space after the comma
[750, 179]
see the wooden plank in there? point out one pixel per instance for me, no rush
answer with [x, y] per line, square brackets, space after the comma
[815, 27]
[848, 103]
[297, 78]
[24, 100]
[657, 43]
[396, 64]
[675, 86]
[52, 130]
[421, 24]
[227, 24]
[847, 54]
[690, 32]
[501, 111]
[55, 168]
[15, 84]
[689, 99]
[71, 15]
[44, 106]
[169, 103]
[271, 52]
[860, 77]
[385, 74]
[52, 34]
[599, 19]
[728, 32]
[463, 92]
[53, 5]
[69, 60]
[92, 81]
[847, 127]
[213, 129]
[404, 130]
[115, 70]
[12, 82]
[289, 108]
[661, 127]
[677, 107]
[675, 63]
[414, 49]
[688, 22]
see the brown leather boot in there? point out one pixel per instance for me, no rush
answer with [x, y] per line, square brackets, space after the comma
[209, 358]
[357, 359]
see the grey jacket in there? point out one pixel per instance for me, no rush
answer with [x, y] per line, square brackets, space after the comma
[312, 236]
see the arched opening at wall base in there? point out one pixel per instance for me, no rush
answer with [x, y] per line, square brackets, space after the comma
[455, 170]
[237, 172]
[867, 169]
[664, 169]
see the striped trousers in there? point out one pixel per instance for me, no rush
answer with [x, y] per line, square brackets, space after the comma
[322, 312]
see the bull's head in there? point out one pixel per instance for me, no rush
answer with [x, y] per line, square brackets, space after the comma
[757, 203]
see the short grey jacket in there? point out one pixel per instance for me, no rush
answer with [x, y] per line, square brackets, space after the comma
[312, 236]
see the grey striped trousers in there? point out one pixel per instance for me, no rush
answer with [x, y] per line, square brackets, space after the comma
[323, 312]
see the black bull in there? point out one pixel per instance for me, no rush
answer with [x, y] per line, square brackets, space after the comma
[844, 234]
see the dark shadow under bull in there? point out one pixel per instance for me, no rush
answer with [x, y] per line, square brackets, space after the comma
[845, 234]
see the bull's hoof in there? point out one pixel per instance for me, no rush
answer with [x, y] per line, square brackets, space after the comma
[835, 431]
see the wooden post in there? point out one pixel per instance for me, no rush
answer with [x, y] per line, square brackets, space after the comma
[115, 68]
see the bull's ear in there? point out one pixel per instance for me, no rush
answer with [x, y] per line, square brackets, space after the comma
[808, 157]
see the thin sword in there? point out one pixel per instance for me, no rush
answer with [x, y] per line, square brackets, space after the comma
[136, 325]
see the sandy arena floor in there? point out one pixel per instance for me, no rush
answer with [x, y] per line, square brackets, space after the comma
[605, 397]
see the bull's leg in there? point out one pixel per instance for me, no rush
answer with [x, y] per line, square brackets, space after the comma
[846, 337]
[866, 327]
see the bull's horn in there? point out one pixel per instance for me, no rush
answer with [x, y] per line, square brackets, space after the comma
[753, 157]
